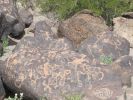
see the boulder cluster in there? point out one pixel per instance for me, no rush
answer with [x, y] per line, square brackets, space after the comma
[83, 59]
[13, 21]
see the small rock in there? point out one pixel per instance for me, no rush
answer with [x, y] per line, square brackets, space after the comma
[128, 15]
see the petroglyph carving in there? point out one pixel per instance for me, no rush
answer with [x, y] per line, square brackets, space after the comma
[77, 71]
[57, 69]
[103, 93]
[58, 79]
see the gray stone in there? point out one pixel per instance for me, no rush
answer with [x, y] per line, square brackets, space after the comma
[41, 66]
[107, 44]
[124, 68]
[26, 17]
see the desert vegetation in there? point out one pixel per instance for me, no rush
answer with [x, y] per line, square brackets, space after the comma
[108, 9]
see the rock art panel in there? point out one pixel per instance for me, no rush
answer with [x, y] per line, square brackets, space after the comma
[52, 70]
[107, 44]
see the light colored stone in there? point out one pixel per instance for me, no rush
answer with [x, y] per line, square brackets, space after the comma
[124, 28]
[8, 52]
[131, 52]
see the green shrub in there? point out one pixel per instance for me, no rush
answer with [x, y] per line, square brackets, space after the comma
[106, 59]
[108, 9]
[73, 97]
[15, 97]
[5, 42]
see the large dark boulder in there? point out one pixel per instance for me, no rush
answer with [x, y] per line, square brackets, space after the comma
[54, 70]
[10, 20]
[10, 25]
[47, 67]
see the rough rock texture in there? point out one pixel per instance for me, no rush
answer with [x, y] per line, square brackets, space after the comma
[15, 20]
[2, 90]
[54, 70]
[128, 15]
[9, 20]
[107, 89]
[129, 91]
[26, 17]
[80, 26]
[44, 66]
[1, 49]
[124, 67]
[107, 44]
[7, 52]
[5, 7]
[42, 27]
[52, 22]
[124, 28]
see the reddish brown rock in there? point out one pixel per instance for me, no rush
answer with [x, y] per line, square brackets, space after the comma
[80, 26]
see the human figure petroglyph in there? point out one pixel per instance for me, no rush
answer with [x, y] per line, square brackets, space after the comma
[47, 87]
[60, 77]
